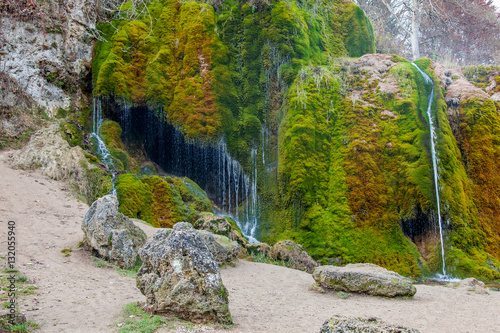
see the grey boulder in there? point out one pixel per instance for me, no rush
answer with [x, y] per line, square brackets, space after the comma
[294, 255]
[223, 250]
[364, 278]
[111, 234]
[340, 324]
[179, 276]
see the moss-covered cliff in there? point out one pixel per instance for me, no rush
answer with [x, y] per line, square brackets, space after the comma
[338, 147]
[208, 69]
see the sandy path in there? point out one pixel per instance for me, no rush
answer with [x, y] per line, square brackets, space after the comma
[74, 294]
[77, 296]
[265, 298]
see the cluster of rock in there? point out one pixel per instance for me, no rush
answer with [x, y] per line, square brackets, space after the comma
[340, 324]
[364, 278]
[180, 266]
[288, 252]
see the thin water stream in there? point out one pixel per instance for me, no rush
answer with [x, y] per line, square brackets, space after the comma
[430, 99]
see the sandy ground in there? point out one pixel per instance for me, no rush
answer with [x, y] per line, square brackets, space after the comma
[75, 295]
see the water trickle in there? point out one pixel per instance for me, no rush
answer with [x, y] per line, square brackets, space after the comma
[102, 150]
[208, 164]
[432, 129]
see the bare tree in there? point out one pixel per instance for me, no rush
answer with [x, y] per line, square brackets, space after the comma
[459, 31]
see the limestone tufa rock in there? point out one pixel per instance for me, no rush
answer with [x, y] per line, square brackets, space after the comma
[364, 278]
[219, 225]
[223, 250]
[340, 324]
[50, 153]
[113, 235]
[262, 249]
[180, 276]
[471, 284]
[294, 254]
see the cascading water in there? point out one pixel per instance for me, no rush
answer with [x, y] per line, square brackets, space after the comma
[209, 165]
[102, 150]
[432, 129]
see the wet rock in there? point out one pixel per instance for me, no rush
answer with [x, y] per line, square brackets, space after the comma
[340, 324]
[295, 255]
[364, 278]
[111, 234]
[223, 250]
[179, 276]
[220, 225]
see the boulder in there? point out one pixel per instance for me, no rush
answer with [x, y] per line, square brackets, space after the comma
[179, 276]
[262, 249]
[50, 153]
[340, 324]
[471, 284]
[364, 278]
[223, 250]
[111, 234]
[295, 255]
[220, 225]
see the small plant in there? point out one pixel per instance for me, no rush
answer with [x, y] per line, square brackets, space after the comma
[28, 326]
[342, 295]
[100, 263]
[23, 279]
[66, 252]
[134, 319]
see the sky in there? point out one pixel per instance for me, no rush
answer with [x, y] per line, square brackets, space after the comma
[497, 4]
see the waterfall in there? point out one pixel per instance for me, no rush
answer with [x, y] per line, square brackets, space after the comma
[102, 150]
[432, 129]
[210, 165]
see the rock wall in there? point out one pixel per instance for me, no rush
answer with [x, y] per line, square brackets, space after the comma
[46, 50]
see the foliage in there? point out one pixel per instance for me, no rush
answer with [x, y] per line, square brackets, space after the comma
[93, 184]
[134, 319]
[161, 201]
[350, 175]
[209, 69]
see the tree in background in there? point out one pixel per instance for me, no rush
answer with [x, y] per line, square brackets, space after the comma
[453, 31]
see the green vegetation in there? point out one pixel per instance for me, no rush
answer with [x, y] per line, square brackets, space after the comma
[346, 161]
[161, 201]
[351, 170]
[134, 319]
[208, 69]
[66, 252]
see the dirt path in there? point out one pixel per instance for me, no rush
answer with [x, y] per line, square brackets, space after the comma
[75, 295]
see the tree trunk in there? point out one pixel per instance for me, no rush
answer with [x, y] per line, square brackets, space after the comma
[415, 28]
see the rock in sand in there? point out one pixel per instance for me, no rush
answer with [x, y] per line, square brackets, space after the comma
[179, 276]
[364, 278]
[113, 235]
[340, 324]
[294, 254]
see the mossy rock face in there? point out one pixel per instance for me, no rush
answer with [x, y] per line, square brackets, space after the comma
[161, 201]
[355, 166]
[210, 69]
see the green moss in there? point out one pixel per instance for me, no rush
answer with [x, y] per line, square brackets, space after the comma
[358, 31]
[205, 69]
[135, 197]
[161, 201]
